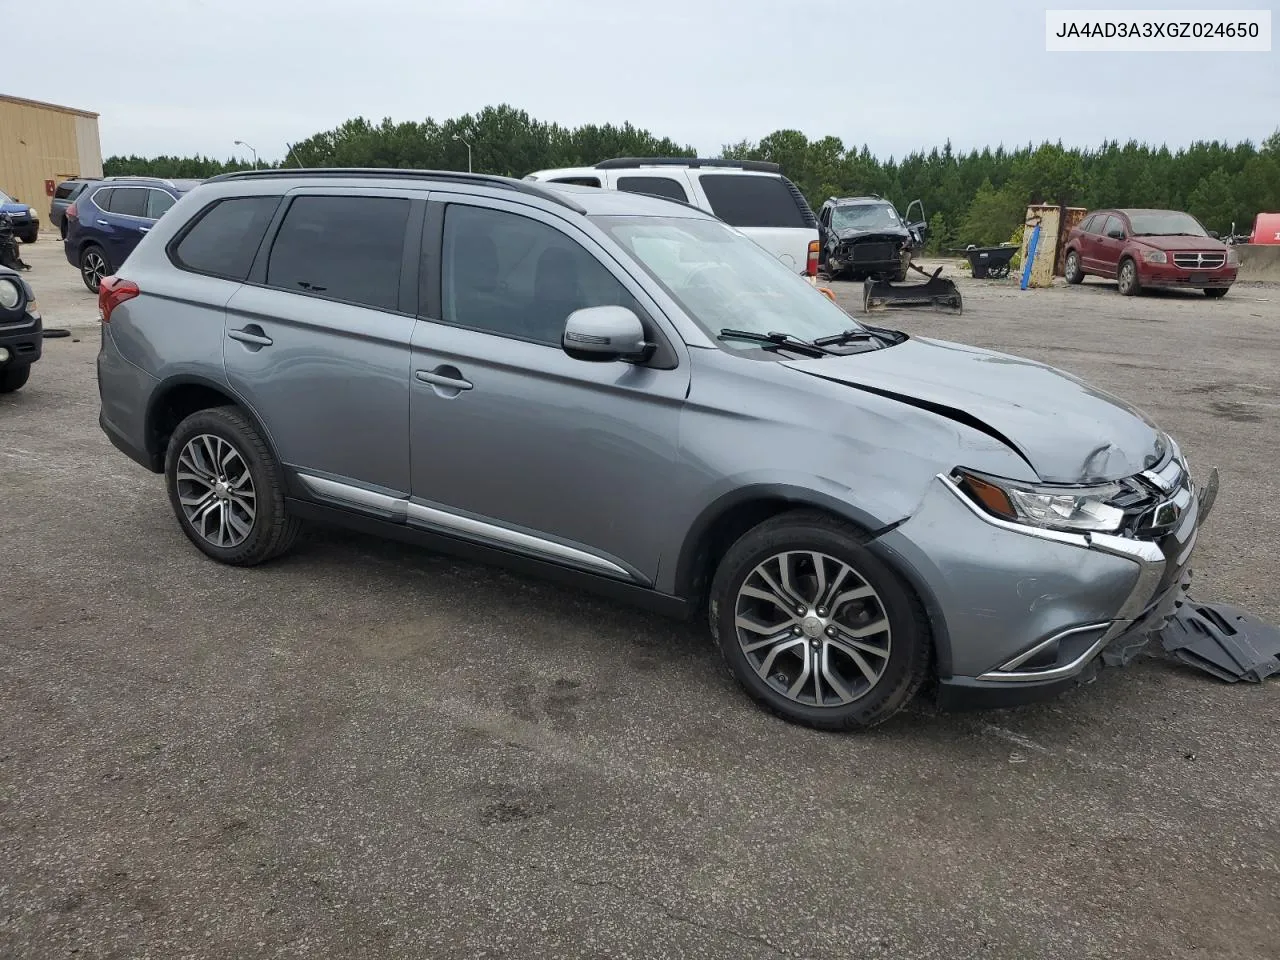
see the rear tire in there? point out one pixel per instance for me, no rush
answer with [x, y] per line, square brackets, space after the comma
[1127, 278]
[227, 489]
[856, 604]
[94, 265]
[1071, 270]
[1216, 293]
[14, 376]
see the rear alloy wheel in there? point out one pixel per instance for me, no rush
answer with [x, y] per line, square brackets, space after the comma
[1127, 278]
[814, 627]
[1071, 270]
[1216, 292]
[14, 376]
[226, 488]
[93, 267]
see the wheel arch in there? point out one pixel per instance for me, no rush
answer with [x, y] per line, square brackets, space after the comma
[179, 397]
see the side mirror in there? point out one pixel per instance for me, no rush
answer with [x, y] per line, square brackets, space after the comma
[1115, 234]
[1214, 234]
[604, 334]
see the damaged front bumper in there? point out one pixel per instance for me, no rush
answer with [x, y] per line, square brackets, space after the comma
[1022, 613]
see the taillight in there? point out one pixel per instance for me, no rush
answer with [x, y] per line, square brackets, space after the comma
[811, 267]
[112, 291]
[72, 213]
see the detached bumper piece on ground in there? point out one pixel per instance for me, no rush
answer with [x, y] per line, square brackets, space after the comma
[1223, 640]
[938, 292]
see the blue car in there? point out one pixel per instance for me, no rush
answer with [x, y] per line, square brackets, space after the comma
[108, 220]
[26, 222]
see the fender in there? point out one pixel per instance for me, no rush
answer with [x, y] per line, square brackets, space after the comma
[166, 389]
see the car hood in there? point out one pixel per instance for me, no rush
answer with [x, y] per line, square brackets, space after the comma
[882, 233]
[1067, 430]
[1181, 243]
[14, 208]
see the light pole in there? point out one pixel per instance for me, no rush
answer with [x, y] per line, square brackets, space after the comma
[241, 143]
[468, 143]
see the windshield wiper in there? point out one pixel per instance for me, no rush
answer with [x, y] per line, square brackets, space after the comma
[774, 341]
[886, 338]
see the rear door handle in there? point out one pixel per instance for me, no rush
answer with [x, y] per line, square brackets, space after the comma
[143, 229]
[251, 334]
[103, 223]
[450, 380]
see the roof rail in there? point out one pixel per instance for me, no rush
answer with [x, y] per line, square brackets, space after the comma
[165, 180]
[759, 166]
[532, 188]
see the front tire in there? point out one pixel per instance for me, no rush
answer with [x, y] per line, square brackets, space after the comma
[1127, 278]
[227, 490]
[1216, 293]
[814, 627]
[14, 377]
[1071, 269]
[31, 236]
[94, 265]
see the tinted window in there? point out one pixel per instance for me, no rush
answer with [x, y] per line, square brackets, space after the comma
[580, 181]
[752, 201]
[347, 248]
[158, 202]
[657, 186]
[129, 201]
[103, 198]
[66, 189]
[513, 276]
[225, 239]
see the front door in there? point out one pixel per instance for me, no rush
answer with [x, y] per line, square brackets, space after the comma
[317, 343]
[513, 442]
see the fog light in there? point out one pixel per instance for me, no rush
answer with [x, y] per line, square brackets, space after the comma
[4, 354]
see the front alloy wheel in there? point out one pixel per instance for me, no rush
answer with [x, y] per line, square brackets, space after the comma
[1127, 279]
[812, 628]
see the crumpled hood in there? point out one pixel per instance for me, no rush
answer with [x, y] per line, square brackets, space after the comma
[1067, 430]
[851, 233]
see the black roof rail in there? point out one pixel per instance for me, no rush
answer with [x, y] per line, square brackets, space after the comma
[759, 166]
[533, 188]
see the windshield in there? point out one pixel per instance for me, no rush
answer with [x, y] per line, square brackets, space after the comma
[864, 216]
[724, 280]
[1165, 223]
[5, 198]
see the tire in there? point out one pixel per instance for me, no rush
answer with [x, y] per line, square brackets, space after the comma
[30, 237]
[62, 229]
[1127, 278]
[90, 271]
[13, 377]
[1216, 293]
[270, 529]
[805, 538]
[1071, 269]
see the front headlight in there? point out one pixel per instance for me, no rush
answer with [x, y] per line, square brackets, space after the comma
[10, 294]
[1155, 256]
[1041, 505]
[1233, 258]
[32, 211]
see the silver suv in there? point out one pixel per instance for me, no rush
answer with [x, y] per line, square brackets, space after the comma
[627, 393]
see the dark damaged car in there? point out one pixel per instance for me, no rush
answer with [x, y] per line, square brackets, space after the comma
[864, 237]
[628, 394]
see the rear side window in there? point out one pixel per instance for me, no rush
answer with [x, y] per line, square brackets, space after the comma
[66, 190]
[224, 240]
[129, 201]
[158, 202]
[657, 186]
[345, 248]
[579, 181]
[753, 201]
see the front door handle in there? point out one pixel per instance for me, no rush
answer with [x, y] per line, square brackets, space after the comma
[143, 229]
[444, 378]
[251, 334]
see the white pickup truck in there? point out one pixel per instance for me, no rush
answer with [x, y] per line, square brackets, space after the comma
[751, 195]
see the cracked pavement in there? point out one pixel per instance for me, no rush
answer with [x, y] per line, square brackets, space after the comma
[367, 750]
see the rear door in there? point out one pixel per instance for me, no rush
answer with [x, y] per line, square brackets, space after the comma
[317, 341]
[767, 208]
[1087, 240]
[123, 223]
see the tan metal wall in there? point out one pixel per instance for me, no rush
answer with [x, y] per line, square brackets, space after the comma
[41, 141]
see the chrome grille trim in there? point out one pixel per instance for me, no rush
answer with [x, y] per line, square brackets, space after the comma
[1199, 261]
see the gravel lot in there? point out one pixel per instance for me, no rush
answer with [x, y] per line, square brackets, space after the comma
[366, 750]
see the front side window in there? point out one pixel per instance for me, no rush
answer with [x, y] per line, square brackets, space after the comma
[158, 202]
[224, 240]
[664, 187]
[723, 279]
[343, 248]
[518, 277]
[749, 200]
[129, 201]
[1113, 227]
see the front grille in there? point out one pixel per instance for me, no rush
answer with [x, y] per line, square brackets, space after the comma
[1199, 261]
[872, 252]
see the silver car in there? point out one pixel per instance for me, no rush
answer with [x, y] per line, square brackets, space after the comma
[625, 393]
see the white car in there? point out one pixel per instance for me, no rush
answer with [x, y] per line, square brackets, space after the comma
[751, 195]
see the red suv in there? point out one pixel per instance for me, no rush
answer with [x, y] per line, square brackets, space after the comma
[1150, 248]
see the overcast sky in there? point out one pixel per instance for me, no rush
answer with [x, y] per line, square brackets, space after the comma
[192, 76]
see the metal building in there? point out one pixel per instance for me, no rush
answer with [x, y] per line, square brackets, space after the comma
[42, 144]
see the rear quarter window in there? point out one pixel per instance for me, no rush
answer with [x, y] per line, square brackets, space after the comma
[224, 240]
[755, 201]
[578, 181]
